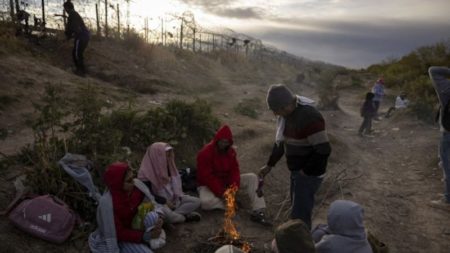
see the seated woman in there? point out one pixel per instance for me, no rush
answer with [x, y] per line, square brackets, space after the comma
[125, 201]
[345, 231]
[159, 172]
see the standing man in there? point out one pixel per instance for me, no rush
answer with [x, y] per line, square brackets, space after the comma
[441, 83]
[378, 90]
[301, 136]
[76, 29]
[218, 170]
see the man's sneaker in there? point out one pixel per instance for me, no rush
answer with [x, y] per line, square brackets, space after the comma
[441, 203]
[260, 217]
[193, 217]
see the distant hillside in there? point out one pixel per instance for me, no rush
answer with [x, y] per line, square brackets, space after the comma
[410, 74]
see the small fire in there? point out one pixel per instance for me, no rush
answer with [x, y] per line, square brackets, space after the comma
[229, 227]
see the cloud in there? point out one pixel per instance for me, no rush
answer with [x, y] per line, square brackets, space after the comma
[228, 8]
[353, 44]
[240, 13]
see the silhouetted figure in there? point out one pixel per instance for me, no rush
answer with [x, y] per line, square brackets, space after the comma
[368, 111]
[22, 16]
[76, 29]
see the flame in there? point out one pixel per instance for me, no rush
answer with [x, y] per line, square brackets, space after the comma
[229, 227]
[230, 204]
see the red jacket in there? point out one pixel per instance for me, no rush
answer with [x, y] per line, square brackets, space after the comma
[124, 204]
[217, 170]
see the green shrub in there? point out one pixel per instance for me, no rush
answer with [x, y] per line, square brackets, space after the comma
[102, 138]
[248, 107]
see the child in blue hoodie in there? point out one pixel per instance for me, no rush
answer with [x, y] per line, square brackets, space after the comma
[368, 111]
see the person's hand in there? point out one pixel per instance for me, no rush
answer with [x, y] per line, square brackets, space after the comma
[170, 205]
[264, 171]
[156, 231]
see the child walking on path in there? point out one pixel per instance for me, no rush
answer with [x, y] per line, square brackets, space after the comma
[368, 111]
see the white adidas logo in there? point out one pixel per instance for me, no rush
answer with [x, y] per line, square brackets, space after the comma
[46, 217]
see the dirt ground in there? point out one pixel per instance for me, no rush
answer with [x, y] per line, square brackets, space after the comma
[393, 174]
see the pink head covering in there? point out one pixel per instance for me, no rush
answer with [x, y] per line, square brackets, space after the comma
[155, 168]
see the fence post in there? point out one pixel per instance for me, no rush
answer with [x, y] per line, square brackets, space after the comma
[118, 20]
[193, 39]
[11, 6]
[106, 18]
[181, 34]
[98, 21]
[43, 13]
[200, 42]
[162, 31]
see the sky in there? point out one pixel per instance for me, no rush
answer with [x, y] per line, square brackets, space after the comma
[351, 33]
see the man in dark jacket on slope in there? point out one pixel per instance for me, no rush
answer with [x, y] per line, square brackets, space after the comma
[76, 29]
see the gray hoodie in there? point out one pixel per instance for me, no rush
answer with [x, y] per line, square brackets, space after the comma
[345, 222]
[440, 78]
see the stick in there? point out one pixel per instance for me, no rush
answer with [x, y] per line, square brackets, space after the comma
[282, 206]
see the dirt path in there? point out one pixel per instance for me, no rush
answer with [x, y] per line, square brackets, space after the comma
[399, 177]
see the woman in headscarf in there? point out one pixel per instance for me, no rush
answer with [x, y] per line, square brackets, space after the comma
[159, 172]
[125, 201]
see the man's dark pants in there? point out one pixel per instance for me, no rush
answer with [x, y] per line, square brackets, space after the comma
[303, 189]
[80, 44]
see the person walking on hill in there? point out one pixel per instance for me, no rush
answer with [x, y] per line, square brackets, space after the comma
[76, 29]
[378, 91]
[302, 137]
[441, 83]
[368, 111]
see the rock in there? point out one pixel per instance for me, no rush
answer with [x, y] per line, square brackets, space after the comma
[395, 129]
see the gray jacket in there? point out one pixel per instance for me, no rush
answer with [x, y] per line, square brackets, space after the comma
[440, 79]
[347, 233]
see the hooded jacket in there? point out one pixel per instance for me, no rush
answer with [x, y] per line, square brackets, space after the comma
[218, 170]
[345, 222]
[124, 204]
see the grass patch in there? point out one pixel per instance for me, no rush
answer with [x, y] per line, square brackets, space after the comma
[248, 107]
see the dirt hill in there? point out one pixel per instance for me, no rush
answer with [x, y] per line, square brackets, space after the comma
[393, 175]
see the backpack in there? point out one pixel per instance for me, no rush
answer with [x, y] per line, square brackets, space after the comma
[45, 217]
[188, 179]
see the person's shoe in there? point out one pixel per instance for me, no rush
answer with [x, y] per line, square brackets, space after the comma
[441, 203]
[260, 217]
[193, 217]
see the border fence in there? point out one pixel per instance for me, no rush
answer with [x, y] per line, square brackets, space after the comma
[113, 18]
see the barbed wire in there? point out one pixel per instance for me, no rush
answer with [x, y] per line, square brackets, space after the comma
[170, 29]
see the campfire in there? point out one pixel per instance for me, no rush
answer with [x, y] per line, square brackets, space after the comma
[229, 233]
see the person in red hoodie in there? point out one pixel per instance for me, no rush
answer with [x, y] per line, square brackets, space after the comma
[218, 169]
[126, 198]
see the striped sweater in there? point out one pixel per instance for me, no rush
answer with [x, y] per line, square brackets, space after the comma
[305, 142]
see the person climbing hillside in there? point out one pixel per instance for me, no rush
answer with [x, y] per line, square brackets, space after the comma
[440, 79]
[302, 137]
[368, 111]
[77, 30]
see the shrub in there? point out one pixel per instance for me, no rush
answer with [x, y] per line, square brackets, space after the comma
[248, 107]
[102, 136]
